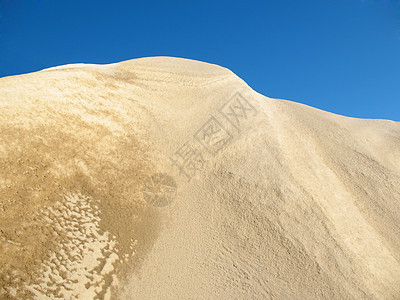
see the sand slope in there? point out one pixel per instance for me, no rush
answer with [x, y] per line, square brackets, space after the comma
[166, 178]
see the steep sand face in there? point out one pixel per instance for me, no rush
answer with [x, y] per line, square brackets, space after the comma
[166, 178]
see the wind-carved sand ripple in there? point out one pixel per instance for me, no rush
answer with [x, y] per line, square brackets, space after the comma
[81, 264]
[81, 257]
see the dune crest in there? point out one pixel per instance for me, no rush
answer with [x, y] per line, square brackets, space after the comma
[168, 178]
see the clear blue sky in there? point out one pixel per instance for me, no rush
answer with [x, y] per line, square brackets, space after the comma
[342, 56]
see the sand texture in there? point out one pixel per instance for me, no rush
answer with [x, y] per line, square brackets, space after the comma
[168, 178]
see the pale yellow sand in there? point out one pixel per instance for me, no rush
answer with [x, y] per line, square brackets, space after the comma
[285, 201]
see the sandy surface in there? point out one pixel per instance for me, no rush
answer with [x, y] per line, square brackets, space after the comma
[166, 178]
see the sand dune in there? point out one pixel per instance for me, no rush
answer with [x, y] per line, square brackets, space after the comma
[167, 178]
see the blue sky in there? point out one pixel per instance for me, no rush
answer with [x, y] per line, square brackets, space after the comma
[342, 56]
